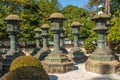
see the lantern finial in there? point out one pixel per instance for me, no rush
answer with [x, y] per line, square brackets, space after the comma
[100, 9]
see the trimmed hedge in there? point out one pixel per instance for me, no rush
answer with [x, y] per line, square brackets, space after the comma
[23, 61]
[27, 73]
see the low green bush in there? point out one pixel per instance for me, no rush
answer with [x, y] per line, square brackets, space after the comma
[89, 46]
[23, 61]
[27, 73]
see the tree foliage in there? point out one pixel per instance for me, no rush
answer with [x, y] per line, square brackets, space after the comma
[76, 14]
[114, 4]
[88, 45]
[95, 2]
[115, 28]
[36, 13]
[30, 20]
[6, 7]
[33, 13]
[115, 20]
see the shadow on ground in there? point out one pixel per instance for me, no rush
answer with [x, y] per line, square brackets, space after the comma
[102, 78]
[118, 73]
[53, 77]
[76, 67]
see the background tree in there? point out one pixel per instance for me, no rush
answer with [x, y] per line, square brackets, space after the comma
[46, 8]
[114, 32]
[30, 19]
[74, 13]
[36, 12]
[111, 7]
[95, 2]
[33, 13]
[7, 7]
[114, 4]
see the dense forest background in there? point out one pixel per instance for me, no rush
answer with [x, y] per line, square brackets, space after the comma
[34, 13]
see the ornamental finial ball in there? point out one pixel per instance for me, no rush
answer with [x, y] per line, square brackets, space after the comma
[100, 9]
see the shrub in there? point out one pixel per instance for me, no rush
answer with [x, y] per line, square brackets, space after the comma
[27, 73]
[23, 61]
[89, 46]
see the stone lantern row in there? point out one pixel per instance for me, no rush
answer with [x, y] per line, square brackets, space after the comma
[58, 55]
[56, 61]
[75, 55]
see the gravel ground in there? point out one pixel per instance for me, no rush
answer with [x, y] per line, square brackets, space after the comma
[81, 74]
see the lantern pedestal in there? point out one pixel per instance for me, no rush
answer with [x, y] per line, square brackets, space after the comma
[62, 35]
[106, 67]
[45, 50]
[102, 59]
[37, 37]
[102, 62]
[76, 54]
[57, 61]
[14, 30]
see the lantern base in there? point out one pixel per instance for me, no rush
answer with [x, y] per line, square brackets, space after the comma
[102, 54]
[57, 62]
[58, 67]
[106, 67]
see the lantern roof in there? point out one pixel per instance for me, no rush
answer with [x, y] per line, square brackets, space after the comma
[75, 24]
[102, 15]
[57, 16]
[37, 29]
[12, 17]
[45, 26]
